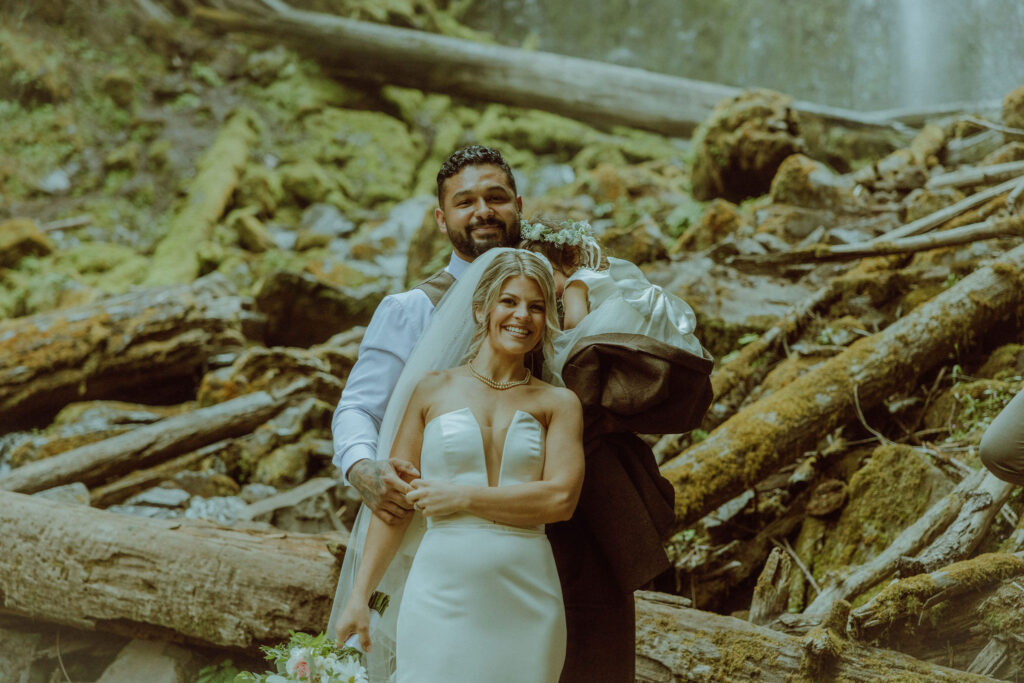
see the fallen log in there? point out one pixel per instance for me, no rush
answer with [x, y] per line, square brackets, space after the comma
[775, 430]
[977, 175]
[99, 462]
[961, 537]
[176, 259]
[161, 579]
[771, 594]
[910, 540]
[675, 643]
[579, 88]
[910, 597]
[147, 338]
[1012, 226]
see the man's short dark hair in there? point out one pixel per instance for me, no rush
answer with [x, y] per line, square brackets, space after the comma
[475, 155]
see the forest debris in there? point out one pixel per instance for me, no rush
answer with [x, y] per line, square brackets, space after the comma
[909, 597]
[961, 537]
[578, 88]
[770, 433]
[977, 175]
[21, 237]
[771, 594]
[1011, 226]
[98, 462]
[161, 579]
[678, 643]
[176, 258]
[863, 577]
[147, 337]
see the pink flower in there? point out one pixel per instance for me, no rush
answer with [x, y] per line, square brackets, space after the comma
[301, 669]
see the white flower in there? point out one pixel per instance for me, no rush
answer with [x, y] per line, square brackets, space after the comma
[298, 664]
[348, 670]
[276, 678]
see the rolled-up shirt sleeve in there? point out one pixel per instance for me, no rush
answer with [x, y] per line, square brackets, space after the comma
[394, 329]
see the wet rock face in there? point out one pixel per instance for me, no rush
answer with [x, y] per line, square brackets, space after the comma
[742, 144]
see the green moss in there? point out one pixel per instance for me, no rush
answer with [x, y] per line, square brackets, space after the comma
[111, 268]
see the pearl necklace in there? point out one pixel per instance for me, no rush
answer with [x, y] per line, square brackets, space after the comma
[495, 384]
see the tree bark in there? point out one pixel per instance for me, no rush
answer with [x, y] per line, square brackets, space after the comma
[961, 537]
[578, 88]
[142, 339]
[778, 428]
[161, 579]
[977, 175]
[99, 462]
[680, 644]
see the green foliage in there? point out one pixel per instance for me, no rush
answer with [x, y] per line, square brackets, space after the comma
[224, 672]
[976, 412]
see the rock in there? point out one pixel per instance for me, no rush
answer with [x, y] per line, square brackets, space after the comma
[325, 219]
[56, 182]
[741, 145]
[285, 467]
[804, 182]
[641, 243]
[720, 218]
[1013, 108]
[792, 222]
[160, 497]
[75, 493]
[1006, 362]
[224, 510]
[252, 234]
[252, 493]
[268, 66]
[21, 237]
[30, 71]
[307, 181]
[261, 187]
[429, 251]
[152, 662]
[123, 158]
[303, 310]
[388, 244]
[119, 84]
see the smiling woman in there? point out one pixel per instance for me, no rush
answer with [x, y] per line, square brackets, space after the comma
[501, 455]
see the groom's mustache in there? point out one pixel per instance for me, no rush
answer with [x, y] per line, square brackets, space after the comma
[489, 222]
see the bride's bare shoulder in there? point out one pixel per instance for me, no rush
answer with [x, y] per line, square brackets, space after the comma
[438, 379]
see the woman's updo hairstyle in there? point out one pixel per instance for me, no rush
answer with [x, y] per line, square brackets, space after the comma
[505, 266]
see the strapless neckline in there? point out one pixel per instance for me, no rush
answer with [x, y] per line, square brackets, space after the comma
[480, 437]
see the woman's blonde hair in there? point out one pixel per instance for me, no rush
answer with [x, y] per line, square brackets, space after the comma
[492, 281]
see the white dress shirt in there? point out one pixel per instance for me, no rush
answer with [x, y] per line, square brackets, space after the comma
[396, 326]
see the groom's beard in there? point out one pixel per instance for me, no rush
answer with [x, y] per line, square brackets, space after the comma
[466, 243]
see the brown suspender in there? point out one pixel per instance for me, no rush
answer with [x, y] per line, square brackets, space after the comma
[436, 285]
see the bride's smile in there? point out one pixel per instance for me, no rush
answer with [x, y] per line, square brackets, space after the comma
[518, 318]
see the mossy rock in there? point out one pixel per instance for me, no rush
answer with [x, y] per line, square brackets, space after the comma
[30, 72]
[739, 148]
[119, 84]
[307, 181]
[283, 467]
[1013, 108]
[720, 219]
[536, 131]
[802, 181]
[261, 187]
[1005, 363]
[889, 493]
[429, 251]
[641, 243]
[111, 268]
[21, 237]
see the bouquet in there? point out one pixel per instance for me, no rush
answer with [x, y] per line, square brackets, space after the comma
[310, 659]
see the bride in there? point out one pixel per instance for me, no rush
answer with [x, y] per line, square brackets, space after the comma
[500, 455]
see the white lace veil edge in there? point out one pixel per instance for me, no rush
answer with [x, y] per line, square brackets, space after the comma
[443, 345]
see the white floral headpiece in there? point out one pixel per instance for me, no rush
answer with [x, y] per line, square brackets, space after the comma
[571, 233]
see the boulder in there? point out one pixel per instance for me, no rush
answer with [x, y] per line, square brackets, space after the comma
[741, 145]
[802, 181]
[1013, 108]
[720, 219]
[640, 243]
[21, 237]
[153, 662]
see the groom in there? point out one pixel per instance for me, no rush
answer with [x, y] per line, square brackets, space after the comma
[612, 544]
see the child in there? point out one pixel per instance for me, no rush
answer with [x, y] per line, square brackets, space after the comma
[605, 295]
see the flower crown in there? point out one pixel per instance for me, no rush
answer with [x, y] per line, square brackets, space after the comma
[571, 233]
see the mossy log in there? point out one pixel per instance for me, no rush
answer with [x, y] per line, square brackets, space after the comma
[910, 597]
[961, 537]
[98, 462]
[176, 258]
[142, 340]
[777, 429]
[680, 644]
[593, 91]
[979, 175]
[910, 540]
[161, 579]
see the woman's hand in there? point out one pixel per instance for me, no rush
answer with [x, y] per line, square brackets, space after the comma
[354, 619]
[437, 498]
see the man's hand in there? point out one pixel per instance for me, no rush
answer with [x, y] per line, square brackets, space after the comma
[383, 485]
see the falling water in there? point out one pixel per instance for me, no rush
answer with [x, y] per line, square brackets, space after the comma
[862, 54]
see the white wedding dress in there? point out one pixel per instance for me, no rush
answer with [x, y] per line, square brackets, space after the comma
[482, 601]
